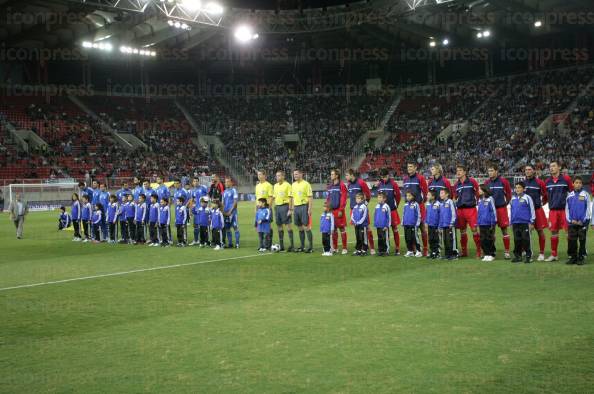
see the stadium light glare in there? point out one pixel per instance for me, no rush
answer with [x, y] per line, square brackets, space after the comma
[245, 33]
[445, 42]
[537, 24]
[191, 5]
[479, 35]
[432, 44]
[102, 46]
[486, 33]
[213, 8]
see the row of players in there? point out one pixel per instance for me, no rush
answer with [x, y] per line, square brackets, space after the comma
[297, 197]
[466, 196]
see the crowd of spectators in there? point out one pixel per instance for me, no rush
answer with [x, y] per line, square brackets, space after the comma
[253, 129]
[492, 121]
[504, 129]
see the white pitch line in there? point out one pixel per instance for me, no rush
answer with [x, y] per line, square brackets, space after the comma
[162, 267]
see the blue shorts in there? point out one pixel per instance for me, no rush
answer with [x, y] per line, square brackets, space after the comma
[231, 221]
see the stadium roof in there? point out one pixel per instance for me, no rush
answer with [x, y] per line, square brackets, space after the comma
[63, 23]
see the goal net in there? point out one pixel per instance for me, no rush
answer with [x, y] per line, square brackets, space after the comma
[43, 196]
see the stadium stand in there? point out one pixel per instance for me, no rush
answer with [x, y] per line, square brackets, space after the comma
[253, 129]
[503, 130]
[512, 121]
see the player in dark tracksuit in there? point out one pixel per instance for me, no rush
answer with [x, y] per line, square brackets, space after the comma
[522, 220]
[578, 213]
[432, 223]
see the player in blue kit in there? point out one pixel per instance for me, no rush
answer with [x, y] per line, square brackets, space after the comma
[230, 198]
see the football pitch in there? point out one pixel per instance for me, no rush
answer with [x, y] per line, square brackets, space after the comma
[119, 318]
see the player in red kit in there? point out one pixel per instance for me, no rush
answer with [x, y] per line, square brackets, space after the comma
[337, 198]
[558, 187]
[416, 184]
[502, 194]
[466, 194]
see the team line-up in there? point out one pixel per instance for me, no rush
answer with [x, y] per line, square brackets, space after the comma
[433, 209]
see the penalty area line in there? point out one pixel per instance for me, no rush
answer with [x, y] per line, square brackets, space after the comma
[121, 273]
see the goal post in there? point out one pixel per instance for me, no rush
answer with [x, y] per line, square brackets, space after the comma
[43, 196]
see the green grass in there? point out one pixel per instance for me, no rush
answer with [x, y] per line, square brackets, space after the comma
[285, 323]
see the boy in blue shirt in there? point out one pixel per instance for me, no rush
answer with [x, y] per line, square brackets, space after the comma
[262, 224]
[75, 213]
[411, 220]
[230, 198]
[487, 219]
[217, 223]
[578, 212]
[360, 219]
[382, 219]
[432, 223]
[97, 221]
[153, 219]
[447, 222]
[128, 211]
[113, 212]
[201, 215]
[522, 220]
[104, 200]
[140, 214]
[65, 220]
[163, 219]
[85, 215]
[181, 221]
[327, 228]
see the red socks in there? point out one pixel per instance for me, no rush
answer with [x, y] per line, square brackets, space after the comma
[396, 239]
[370, 239]
[343, 237]
[506, 243]
[554, 244]
[464, 243]
[477, 242]
[335, 240]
